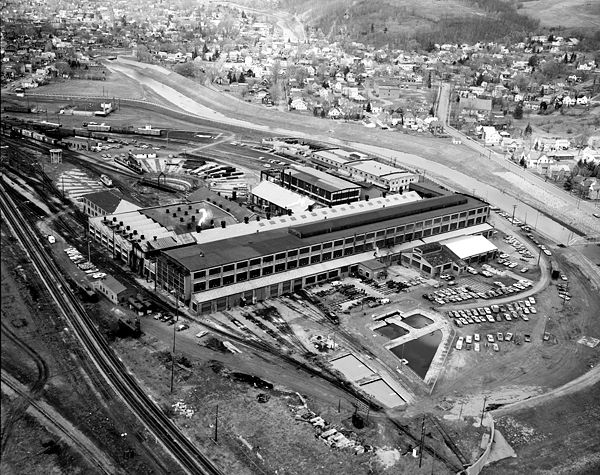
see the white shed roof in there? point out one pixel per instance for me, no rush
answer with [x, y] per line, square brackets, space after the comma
[469, 246]
[281, 197]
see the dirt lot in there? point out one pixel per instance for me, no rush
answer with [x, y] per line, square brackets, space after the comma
[115, 85]
[561, 436]
[256, 437]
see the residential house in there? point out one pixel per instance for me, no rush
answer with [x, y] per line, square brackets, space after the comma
[490, 136]
[298, 104]
[334, 113]
[558, 171]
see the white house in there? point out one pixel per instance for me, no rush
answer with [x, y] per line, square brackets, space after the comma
[298, 104]
[490, 136]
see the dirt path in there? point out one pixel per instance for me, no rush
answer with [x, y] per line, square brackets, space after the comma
[590, 378]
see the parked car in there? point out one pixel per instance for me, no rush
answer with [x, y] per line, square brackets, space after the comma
[527, 338]
[496, 347]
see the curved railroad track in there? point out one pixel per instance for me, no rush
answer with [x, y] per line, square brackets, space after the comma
[191, 459]
[59, 426]
[21, 405]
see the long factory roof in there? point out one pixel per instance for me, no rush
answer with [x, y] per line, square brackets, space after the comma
[239, 248]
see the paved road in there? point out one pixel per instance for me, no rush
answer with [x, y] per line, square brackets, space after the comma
[541, 284]
[580, 210]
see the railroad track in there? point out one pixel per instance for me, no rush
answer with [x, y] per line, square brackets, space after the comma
[17, 411]
[180, 447]
[60, 427]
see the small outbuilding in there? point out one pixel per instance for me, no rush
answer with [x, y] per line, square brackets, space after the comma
[113, 290]
[471, 248]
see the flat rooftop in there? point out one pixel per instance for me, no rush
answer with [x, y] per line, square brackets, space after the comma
[182, 217]
[373, 167]
[320, 179]
[318, 214]
[281, 197]
[226, 251]
[469, 246]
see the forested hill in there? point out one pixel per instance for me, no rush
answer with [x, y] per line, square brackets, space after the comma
[414, 23]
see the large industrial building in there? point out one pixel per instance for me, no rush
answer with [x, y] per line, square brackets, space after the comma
[321, 187]
[359, 167]
[254, 261]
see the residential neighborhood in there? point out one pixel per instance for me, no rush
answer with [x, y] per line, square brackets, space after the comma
[300, 236]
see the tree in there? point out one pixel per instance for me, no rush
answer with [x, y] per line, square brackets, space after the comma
[368, 108]
[523, 163]
[528, 129]
[518, 112]
[568, 185]
[533, 60]
[143, 54]
[521, 81]
[429, 80]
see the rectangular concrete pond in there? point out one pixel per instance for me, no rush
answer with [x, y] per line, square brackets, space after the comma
[391, 331]
[419, 352]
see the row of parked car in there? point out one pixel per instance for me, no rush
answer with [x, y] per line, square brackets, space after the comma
[170, 320]
[460, 294]
[495, 313]
[77, 258]
[474, 341]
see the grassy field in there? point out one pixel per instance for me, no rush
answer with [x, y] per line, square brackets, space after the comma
[116, 84]
[564, 13]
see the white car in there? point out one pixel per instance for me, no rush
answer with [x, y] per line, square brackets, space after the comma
[459, 343]
[99, 275]
[51, 239]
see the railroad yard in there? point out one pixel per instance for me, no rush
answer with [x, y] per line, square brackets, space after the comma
[345, 373]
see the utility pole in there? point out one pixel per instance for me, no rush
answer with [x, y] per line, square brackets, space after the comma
[217, 424]
[539, 256]
[174, 329]
[513, 215]
[483, 410]
[89, 254]
[422, 442]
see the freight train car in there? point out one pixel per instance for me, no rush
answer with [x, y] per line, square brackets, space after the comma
[18, 109]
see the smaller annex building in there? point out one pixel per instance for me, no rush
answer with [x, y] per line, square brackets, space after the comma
[450, 255]
[279, 201]
[475, 248]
